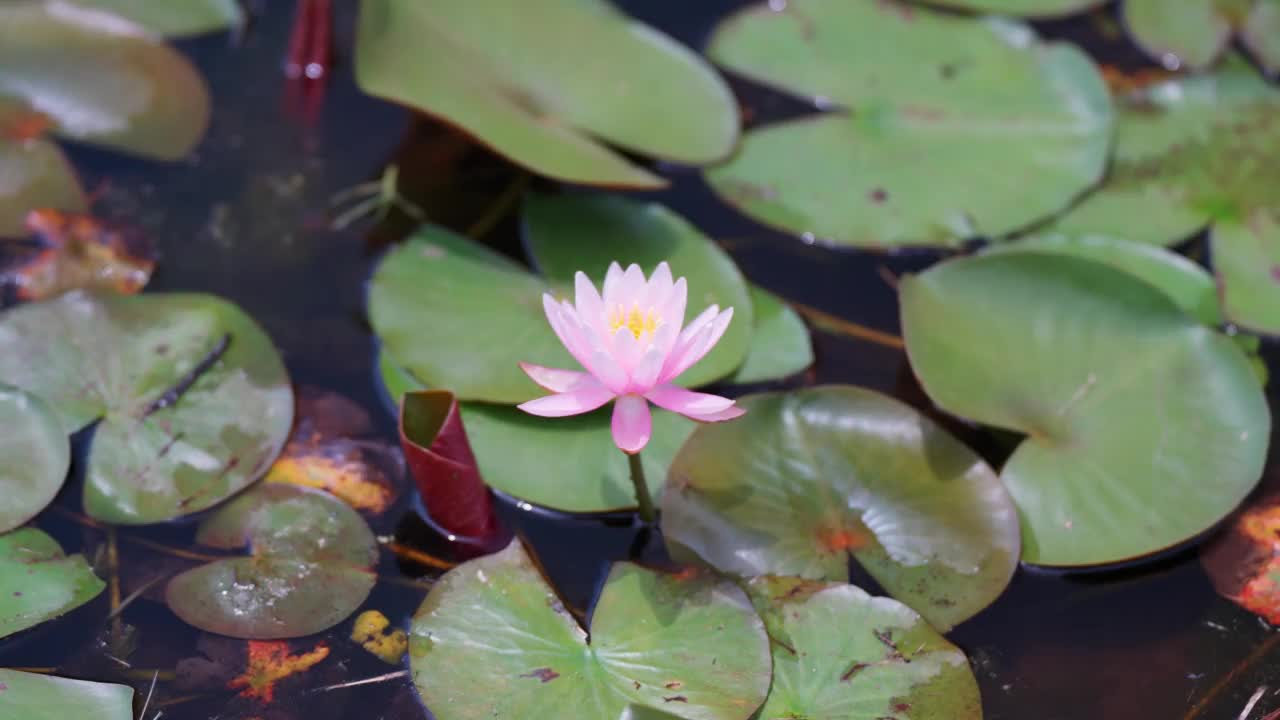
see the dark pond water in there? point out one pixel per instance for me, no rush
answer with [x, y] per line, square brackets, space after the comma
[247, 219]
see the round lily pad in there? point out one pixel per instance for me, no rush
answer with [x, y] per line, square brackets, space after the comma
[34, 456]
[34, 173]
[38, 582]
[1196, 151]
[462, 317]
[493, 640]
[32, 696]
[884, 662]
[938, 128]
[101, 79]
[1145, 427]
[808, 478]
[780, 343]
[1023, 8]
[174, 17]
[193, 399]
[1192, 34]
[568, 233]
[310, 567]
[526, 456]
[530, 96]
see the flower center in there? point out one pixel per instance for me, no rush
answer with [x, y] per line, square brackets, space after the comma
[639, 322]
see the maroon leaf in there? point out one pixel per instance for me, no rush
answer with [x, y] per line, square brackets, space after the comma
[439, 457]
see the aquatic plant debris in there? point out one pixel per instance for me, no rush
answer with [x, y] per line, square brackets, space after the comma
[34, 456]
[1244, 560]
[809, 478]
[493, 640]
[909, 104]
[191, 399]
[76, 251]
[528, 95]
[373, 632]
[311, 565]
[1090, 359]
[631, 339]
[39, 582]
[271, 661]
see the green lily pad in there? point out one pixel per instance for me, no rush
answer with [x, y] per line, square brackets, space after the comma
[34, 174]
[1023, 8]
[883, 662]
[530, 96]
[34, 456]
[460, 316]
[568, 233]
[193, 399]
[1145, 427]
[493, 640]
[310, 567]
[513, 450]
[100, 79]
[1194, 33]
[32, 696]
[780, 343]
[1199, 151]
[919, 102]
[38, 582]
[174, 18]
[808, 478]
[1188, 285]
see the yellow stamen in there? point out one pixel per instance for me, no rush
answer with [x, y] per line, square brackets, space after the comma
[639, 322]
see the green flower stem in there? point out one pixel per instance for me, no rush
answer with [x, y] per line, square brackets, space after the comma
[643, 499]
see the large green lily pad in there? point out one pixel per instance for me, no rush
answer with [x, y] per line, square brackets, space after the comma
[940, 128]
[807, 479]
[1023, 8]
[568, 233]
[1199, 151]
[32, 696]
[38, 582]
[528, 457]
[311, 565]
[34, 456]
[100, 79]
[193, 399]
[34, 174]
[492, 639]
[511, 73]
[174, 17]
[1144, 427]
[840, 654]
[1194, 33]
[462, 317]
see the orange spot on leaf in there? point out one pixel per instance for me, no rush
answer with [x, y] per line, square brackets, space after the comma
[843, 539]
[270, 662]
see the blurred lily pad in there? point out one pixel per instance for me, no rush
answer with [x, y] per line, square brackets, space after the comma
[513, 448]
[34, 456]
[511, 73]
[1144, 426]
[885, 661]
[100, 79]
[38, 582]
[174, 17]
[807, 479]
[1195, 33]
[492, 639]
[34, 173]
[32, 696]
[568, 233]
[780, 343]
[310, 568]
[1197, 151]
[1023, 8]
[461, 317]
[193, 399]
[917, 103]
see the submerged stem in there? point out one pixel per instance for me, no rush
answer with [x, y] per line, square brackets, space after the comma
[643, 499]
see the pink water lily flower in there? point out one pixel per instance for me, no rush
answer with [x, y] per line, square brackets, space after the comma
[633, 343]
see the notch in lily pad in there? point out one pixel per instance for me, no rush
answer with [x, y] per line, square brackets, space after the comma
[310, 565]
[440, 460]
[1144, 427]
[688, 643]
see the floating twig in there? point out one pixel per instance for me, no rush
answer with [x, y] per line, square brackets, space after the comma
[171, 396]
[1258, 653]
[366, 681]
[499, 208]
[837, 325]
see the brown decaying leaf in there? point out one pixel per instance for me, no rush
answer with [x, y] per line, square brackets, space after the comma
[74, 251]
